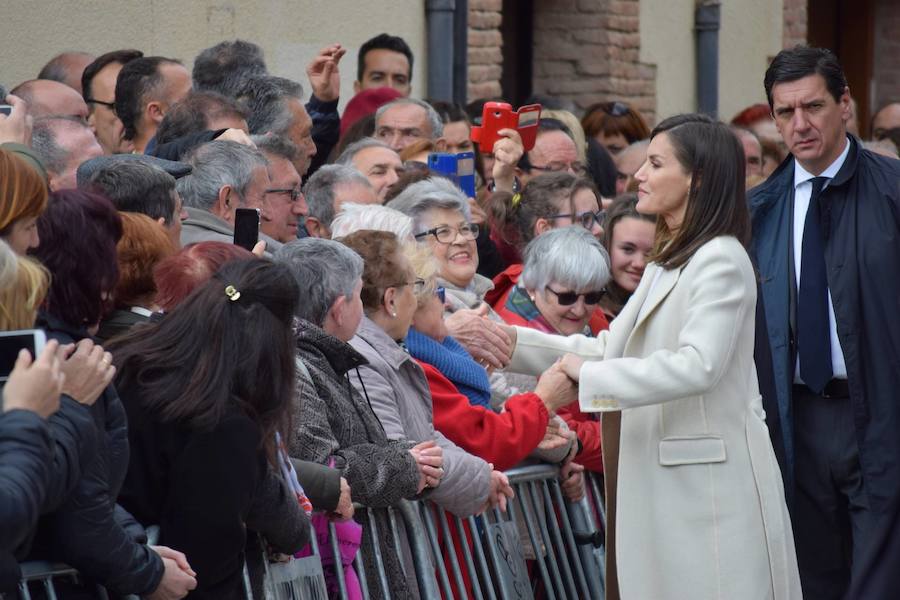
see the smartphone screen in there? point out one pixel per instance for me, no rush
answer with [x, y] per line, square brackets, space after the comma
[246, 227]
[11, 342]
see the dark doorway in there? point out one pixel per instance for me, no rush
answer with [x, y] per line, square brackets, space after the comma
[847, 28]
[518, 43]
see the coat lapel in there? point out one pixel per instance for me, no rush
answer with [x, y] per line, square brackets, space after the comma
[655, 294]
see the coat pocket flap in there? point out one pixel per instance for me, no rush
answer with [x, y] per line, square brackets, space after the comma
[691, 450]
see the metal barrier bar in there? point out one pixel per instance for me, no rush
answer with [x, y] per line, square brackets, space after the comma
[558, 513]
[336, 556]
[428, 586]
[431, 529]
[450, 549]
[557, 580]
[480, 556]
[474, 576]
[571, 546]
[535, 542]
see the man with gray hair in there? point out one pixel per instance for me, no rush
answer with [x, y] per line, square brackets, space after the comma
[274, 107]
[226, 176]
[377, 161]
[63, 143]
[355, 217]
[136, 186]
[328, 190]
[286, 205]
[405, 121]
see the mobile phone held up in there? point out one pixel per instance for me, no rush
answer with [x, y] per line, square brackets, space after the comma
[500, 115]
[460, 168]
[5, 109]
[246, 227]
[12, 342]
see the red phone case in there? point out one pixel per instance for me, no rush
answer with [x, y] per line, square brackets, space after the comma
[500, 115]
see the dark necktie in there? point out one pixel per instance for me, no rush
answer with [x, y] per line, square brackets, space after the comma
[813, 330]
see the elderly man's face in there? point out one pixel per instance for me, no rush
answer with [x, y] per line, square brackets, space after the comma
[300, 132]
[887, 118]
[80, 145]
[752, 154]
[553, 151]
[381, 166]
[402, 125]
[285, 203]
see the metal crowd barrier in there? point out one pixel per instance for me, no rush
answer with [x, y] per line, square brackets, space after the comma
[541, 546]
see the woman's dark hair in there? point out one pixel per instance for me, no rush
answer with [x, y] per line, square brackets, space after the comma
[716, 203]
[602, 168]
[544, 197]
[79, 232]
[228, 347]
[802, 61]
[624, 206]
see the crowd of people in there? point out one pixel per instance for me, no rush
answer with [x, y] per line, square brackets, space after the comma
[391, 337]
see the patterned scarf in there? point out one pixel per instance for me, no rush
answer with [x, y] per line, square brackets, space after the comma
[520, 304]
[455, 363]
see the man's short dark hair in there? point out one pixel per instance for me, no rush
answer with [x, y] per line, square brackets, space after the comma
[265, 100]
[223, 67]
[383, 41]
[194, 113]
[136, 81]
[802, 61]
[122, 57]
[135, 186]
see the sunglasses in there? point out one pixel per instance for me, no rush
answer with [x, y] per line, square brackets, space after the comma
[615, 109]
[570, 298]
[441, 293]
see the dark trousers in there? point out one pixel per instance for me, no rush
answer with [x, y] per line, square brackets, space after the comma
[837, 534]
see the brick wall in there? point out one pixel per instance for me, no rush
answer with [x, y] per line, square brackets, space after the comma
[484, 54]
[587, 50]
[794, 29]
[887, 52]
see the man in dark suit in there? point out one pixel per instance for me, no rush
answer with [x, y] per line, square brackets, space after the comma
[826, 240]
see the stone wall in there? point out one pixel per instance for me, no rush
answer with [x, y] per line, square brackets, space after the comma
[887, 53]
[794, 31]
[484, 53]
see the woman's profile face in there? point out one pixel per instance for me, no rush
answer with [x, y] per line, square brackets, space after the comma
[564, 318]
[404, 298]
[429, 318]
[663, 183]
[632, 241]
[23, 235]
[457, 260]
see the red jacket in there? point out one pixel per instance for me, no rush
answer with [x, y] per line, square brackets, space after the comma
[584, 425]
[503, 439]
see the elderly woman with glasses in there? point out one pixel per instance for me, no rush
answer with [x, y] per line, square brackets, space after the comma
[442, 219]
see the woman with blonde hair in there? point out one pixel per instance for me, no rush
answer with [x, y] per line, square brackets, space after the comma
[27, 287]
[23, 197]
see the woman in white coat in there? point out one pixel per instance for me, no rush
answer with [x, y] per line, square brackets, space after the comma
[696, 503]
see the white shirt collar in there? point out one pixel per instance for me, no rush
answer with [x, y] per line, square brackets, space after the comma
[801, 175]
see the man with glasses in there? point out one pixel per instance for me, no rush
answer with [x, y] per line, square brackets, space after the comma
[554, 151]
[286, 206]
[98, 84]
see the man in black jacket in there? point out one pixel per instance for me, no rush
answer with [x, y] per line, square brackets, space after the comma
[826, 240]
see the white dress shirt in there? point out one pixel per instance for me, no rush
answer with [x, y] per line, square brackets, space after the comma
[802, 193]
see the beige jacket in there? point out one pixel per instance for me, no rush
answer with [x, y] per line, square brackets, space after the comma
[696, 494]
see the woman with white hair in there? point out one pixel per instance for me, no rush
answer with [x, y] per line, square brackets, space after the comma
[563, 279]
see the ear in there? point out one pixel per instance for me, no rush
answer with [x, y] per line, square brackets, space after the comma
[313, 227]
[542, 225]
[357, 87]
[388, 300]
[155, 112]
[846, 108]
[162, 222]
[225, 204]
[336, 312]
[92, 122]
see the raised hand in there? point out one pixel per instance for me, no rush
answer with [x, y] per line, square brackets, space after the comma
[323, 73]
[507, 152]
[35, 385]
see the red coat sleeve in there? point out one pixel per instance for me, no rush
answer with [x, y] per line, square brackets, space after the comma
[503, 439]
[588, 431]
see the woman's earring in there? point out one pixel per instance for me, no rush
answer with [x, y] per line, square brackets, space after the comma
[394, 314]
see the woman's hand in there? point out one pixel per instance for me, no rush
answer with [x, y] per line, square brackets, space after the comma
[344, 507]
[88, 370]
[500, 491]
[16, 127]
[571, 364]
[555, 437]
[556, 388]
[36, 385]
[430, 460]
[507, 152]
[571, 477]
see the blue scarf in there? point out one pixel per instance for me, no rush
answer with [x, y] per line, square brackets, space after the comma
[455, 363]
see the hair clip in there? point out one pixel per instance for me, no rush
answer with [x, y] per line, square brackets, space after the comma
[517, 197]
[232, 293]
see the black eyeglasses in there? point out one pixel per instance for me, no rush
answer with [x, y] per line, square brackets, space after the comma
[570, 298]
[446, 234]
[577, 168]
[109, 105]
[615, 109]
[585, 219]
[418, 285]
[294, 192]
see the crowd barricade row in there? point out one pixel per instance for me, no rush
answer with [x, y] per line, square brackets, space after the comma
[543, 546]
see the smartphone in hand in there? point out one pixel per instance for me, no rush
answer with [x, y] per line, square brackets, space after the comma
[246, 227]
